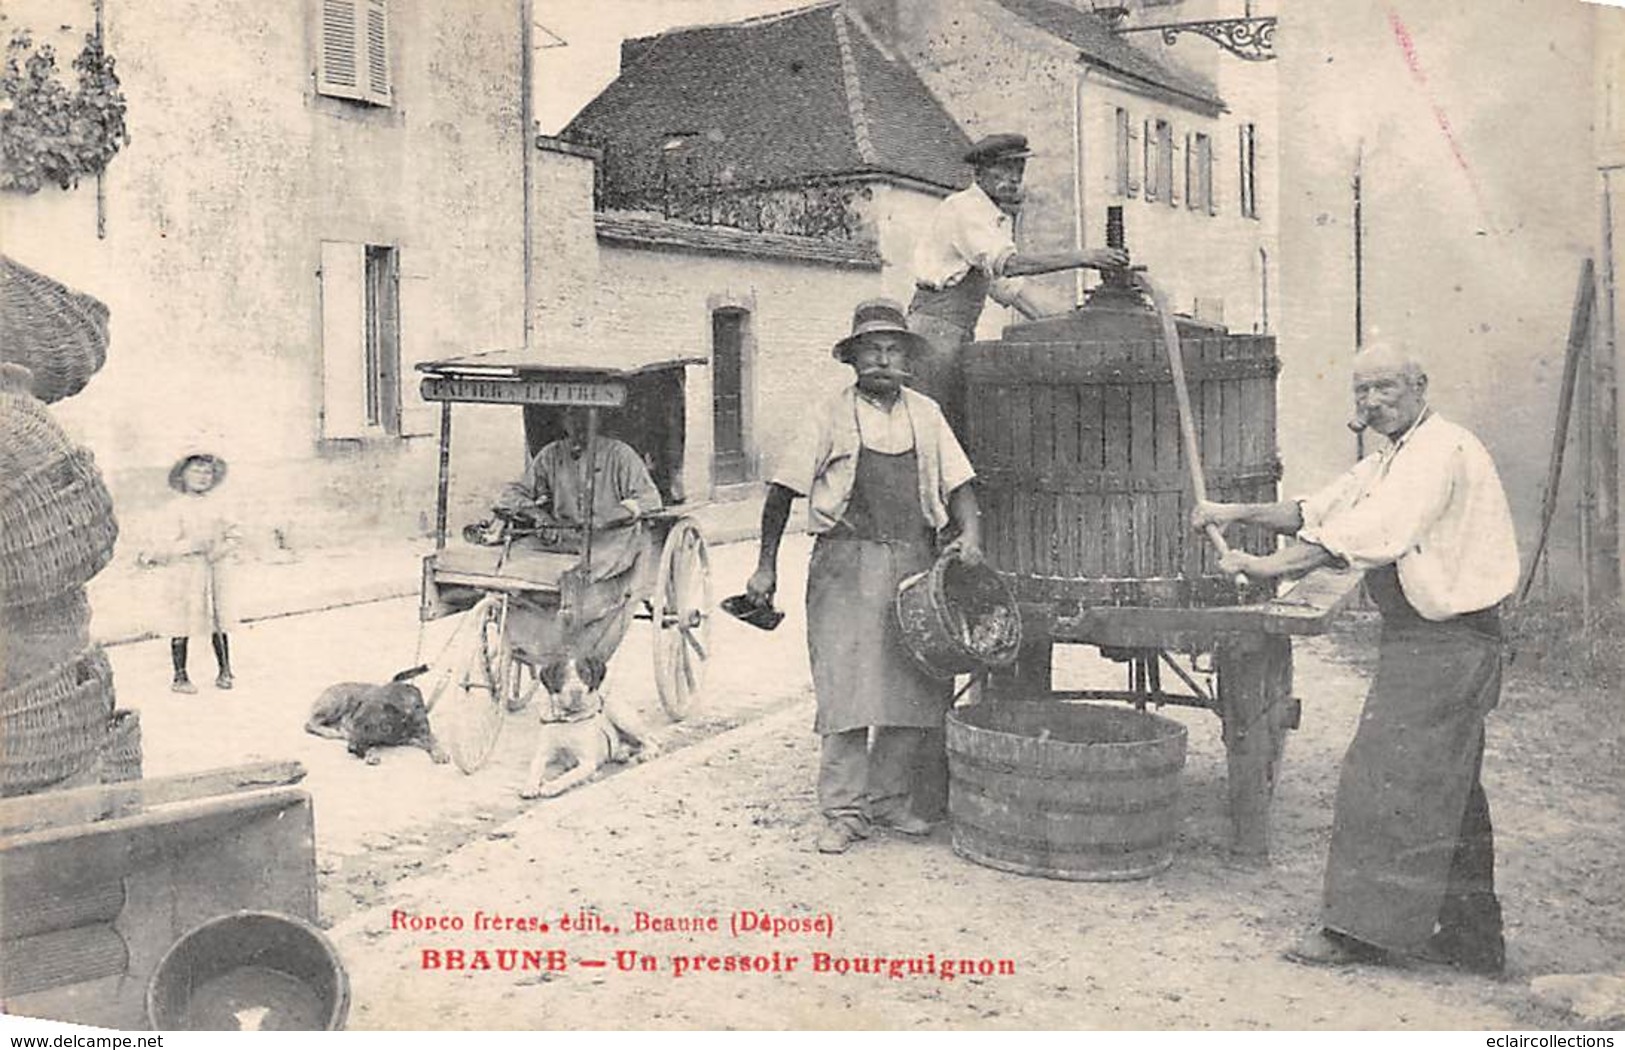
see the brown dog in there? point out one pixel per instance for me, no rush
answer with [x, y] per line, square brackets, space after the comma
[583, 728]
[373, 716]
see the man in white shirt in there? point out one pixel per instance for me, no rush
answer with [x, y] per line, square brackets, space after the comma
[884, 479]
[968, 255]
[1411, 867]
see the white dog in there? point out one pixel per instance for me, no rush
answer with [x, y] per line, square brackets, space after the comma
[583, 727]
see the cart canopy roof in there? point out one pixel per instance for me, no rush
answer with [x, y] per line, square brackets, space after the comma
[525, 365]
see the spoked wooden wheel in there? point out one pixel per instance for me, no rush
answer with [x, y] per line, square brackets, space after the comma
[681, 606]
[477, 712]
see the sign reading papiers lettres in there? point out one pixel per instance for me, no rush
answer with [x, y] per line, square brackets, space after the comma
[523, 391]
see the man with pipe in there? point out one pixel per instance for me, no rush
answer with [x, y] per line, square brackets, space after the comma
[1411, 867]
[884, 478]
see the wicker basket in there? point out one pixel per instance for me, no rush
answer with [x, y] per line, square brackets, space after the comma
[36, 638]
[57, 527]
[121, 759]
[75, 693]
[58, 334]
[56, 725]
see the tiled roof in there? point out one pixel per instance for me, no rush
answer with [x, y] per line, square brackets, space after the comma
[772, 100]
[1101, 47]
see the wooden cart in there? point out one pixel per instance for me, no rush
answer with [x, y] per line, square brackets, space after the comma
[493, 584]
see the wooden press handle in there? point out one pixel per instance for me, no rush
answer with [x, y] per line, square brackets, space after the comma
[1187, 423]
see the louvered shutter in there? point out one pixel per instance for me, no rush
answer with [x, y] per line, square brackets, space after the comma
[344, 325]
[420, 339]
[338, 67]
[354, 50]
[1148, 146]
[1190, 176]
[373, 37]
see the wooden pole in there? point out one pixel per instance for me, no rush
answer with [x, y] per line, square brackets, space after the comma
[1603, 530]
[1579, 338]
[1187, 421]
[443, 481]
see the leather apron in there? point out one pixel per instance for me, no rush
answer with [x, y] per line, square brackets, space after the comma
[947, 318]
[1409, 772]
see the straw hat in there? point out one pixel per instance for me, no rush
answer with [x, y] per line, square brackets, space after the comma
[218, 465]
[874, 316]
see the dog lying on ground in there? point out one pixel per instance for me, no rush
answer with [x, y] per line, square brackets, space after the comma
[583, 727]
[371, 716]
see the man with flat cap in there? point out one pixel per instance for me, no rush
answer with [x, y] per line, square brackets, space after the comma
[885, 479]
[1411, 870]
[968, 255]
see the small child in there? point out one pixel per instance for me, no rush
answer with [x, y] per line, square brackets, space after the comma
[195, 548]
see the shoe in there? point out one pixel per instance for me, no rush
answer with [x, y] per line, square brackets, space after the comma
[838, 835]
[182, 685]
[1325, 947]
[904, 824]
[224, 681]
[1448, 949]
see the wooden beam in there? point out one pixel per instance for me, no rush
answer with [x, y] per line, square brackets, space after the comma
[1579, 342]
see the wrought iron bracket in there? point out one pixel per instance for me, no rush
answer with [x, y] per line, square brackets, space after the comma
[1252, 39]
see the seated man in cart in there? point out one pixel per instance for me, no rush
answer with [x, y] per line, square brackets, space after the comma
[558, 488]
[1412, 865]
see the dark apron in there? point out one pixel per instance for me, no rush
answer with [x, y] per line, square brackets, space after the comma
[947, 319]
[862, 674]
[1408, 775]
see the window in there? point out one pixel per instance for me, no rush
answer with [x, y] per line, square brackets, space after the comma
[1247, 160]
[730, 456]
[1153, 187]
[1199, 173]
[361, 341]
[1126, 184]
[353, 54]
[1165, 161]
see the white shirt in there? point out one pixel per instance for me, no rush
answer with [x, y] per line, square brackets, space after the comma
[968, 230]
[1432, 504]
[821, 463]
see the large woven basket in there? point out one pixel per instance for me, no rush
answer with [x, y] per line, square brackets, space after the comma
[121, 758]
[57, 527]
[36, 638]
[55, 725]
[58, 334]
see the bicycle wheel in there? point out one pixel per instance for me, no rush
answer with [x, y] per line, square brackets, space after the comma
[476, 713]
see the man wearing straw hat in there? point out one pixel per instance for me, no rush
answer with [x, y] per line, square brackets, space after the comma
[969, 255]
[884, 476]
[1412, 865]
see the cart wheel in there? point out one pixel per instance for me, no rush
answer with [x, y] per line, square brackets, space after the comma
[476, 705]
[682, 618]
[519, 682]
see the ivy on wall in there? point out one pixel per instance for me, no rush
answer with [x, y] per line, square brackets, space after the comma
[50, 133]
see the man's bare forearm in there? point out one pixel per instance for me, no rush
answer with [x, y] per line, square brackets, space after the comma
[1281, 516]
[1022, 264]
[775, 515]
[1292, 560]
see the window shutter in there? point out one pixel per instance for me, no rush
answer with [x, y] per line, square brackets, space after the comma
[1190, 185]
[338, 67]
[1149, 149]
[420, 340]
[344, 384]
[374, 39]
[1212, 175]
[1133, 176]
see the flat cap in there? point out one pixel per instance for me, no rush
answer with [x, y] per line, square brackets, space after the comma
[990, 149]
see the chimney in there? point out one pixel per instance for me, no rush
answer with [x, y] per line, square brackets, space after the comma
[879, 17]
